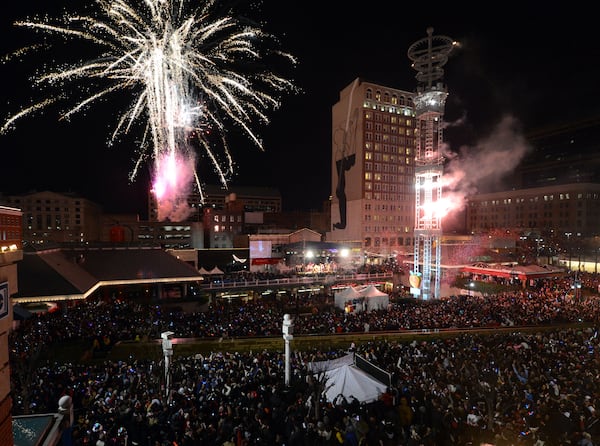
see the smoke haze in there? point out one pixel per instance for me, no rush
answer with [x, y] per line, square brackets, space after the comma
[482, 168]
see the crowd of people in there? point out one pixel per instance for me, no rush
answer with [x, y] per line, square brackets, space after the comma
[516, 387]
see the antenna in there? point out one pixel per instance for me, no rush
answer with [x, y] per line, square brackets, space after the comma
[429, 55]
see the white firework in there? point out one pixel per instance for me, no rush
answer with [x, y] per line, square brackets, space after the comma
[191, 74]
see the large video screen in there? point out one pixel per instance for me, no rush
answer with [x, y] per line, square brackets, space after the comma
[260, 249]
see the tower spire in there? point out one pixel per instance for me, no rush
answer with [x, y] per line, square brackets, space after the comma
[428, 55]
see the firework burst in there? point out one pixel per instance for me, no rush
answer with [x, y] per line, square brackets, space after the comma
[192, 74]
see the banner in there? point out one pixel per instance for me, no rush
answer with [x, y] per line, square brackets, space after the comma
[273, 261]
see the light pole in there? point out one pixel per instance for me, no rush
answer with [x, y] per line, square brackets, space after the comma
[569, 234]
[288, 330]
[167, 347]
[522, 247]
[538, 240]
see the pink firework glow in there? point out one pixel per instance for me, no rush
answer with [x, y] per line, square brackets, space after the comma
[173, 180]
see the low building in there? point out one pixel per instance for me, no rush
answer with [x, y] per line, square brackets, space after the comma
[55, 274]
[58, 217]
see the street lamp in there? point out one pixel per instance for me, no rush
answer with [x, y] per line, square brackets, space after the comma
[538, 240]
[309, 254]
[288, 330]
[569, 234]
[167, 347]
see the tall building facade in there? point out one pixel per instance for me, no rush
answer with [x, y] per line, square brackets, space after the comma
[373, 152]
[566, 208]
[264, 199]
[564, 153]
[223, 224]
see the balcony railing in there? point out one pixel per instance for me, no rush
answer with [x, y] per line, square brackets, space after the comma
[325, 279]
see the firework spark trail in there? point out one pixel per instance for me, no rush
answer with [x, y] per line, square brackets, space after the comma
[182, 69]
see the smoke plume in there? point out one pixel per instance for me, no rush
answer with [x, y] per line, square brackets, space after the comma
[481, 168]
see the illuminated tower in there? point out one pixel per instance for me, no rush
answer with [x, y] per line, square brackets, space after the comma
[428, 56]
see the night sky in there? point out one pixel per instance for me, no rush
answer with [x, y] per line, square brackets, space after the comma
[536, 64]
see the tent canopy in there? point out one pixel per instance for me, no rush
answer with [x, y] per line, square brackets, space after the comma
[344, 378]
[215, 271]
[349, 298]
[348, 293]
[371, 291]
[368, 298]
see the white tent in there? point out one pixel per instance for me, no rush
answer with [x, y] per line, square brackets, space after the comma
[349, 297]
[203, 271]
[344, 378]
[348, 293]
[375, 299]
[215, 271]
[368, 298]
